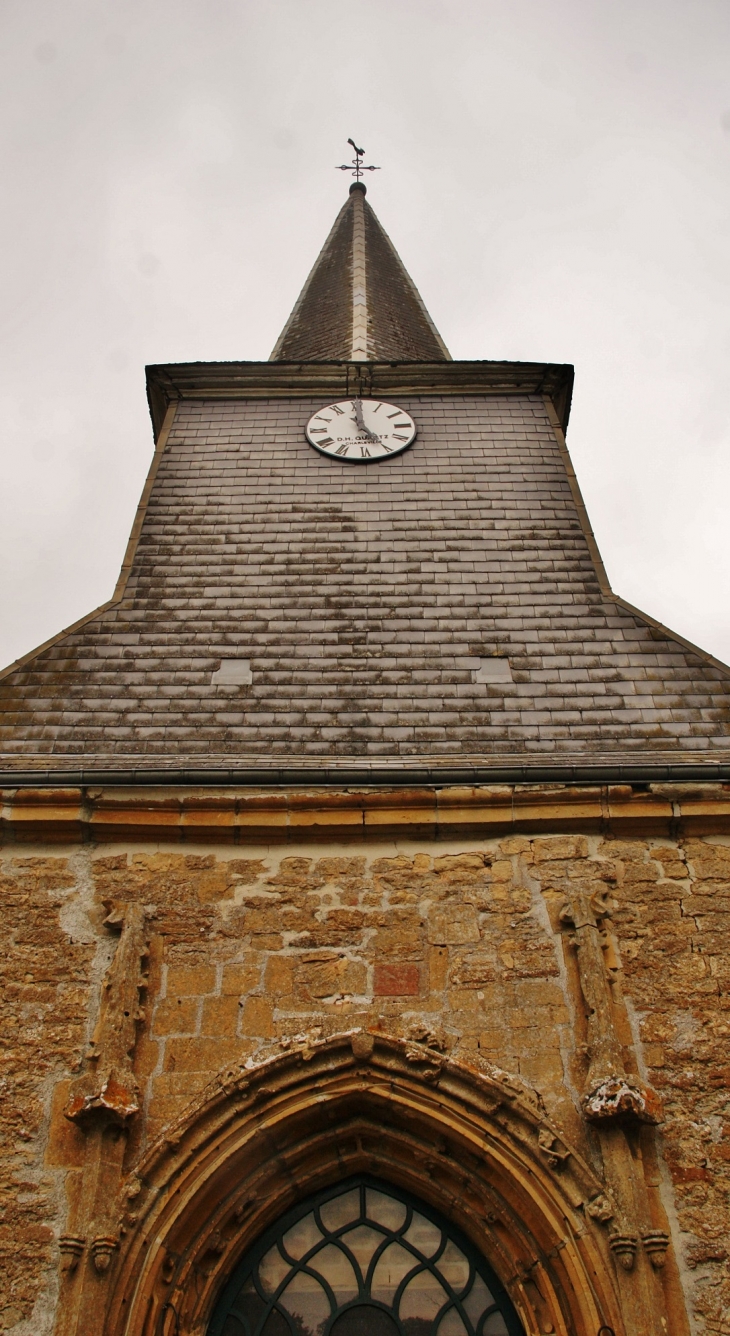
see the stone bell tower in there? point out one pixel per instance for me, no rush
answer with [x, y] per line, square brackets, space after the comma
[365, 864]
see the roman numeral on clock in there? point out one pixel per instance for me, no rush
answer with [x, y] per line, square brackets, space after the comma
[326, 441]
[396, 437]
[342, 450]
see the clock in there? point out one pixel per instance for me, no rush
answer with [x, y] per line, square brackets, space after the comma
[359, 431]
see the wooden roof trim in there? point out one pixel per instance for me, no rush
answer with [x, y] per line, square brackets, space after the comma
[291, 380]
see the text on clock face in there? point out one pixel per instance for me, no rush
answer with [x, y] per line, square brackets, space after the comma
[358, 430]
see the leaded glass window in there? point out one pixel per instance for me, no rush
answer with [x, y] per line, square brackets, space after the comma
[364, 1259]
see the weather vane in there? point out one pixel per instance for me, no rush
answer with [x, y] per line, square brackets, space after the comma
[356, 166]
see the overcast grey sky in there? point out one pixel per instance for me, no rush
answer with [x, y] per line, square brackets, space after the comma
[555, 178]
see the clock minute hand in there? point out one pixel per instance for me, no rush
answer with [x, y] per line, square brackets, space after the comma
[357, 405]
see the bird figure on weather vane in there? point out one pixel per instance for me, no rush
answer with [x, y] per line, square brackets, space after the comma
[356, 166]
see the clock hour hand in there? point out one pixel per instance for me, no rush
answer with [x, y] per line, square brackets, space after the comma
[357, 405]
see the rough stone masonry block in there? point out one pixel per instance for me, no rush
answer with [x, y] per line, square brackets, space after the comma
[220, 1016]
[176, 1015]
[453, 926]
[396, 980]
[190, 979]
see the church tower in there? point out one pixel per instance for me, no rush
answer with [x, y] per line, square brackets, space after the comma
[365, 866]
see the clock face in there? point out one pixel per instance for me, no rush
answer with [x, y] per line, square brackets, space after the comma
[360, 431]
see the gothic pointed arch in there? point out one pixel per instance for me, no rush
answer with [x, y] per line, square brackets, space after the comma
[469, 1141]
[364, 1258]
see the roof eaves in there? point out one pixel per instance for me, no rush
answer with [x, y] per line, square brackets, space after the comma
[298, 379]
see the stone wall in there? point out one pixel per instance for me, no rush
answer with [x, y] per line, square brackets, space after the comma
[458, 945]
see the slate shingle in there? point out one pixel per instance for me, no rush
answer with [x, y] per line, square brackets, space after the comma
[320, 327]
[361, 596]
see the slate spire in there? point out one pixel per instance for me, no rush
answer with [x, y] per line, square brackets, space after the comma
[359, 304]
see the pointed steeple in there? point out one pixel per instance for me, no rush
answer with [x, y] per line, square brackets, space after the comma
[359, 303]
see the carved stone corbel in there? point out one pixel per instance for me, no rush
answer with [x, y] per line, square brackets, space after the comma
[618, 1098]
[552, 1149]
[71, 1248]
[656, 1243]
[601, 1208]
[623, 1247]
[103, 1249]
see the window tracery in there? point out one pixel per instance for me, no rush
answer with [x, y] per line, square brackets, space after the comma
[364, 1259]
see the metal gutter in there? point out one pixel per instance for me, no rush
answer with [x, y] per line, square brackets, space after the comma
[292, 776]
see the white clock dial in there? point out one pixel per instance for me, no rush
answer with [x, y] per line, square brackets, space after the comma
[360, 431]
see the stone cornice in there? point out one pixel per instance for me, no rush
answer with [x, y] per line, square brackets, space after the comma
[229, 815]
[292, 380]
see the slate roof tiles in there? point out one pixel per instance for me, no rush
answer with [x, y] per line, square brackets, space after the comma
[445, 604]
[367, 601]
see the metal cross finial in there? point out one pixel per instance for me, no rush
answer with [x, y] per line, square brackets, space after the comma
[356, 164]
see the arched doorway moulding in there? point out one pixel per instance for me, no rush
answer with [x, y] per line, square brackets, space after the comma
[469, 1140]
